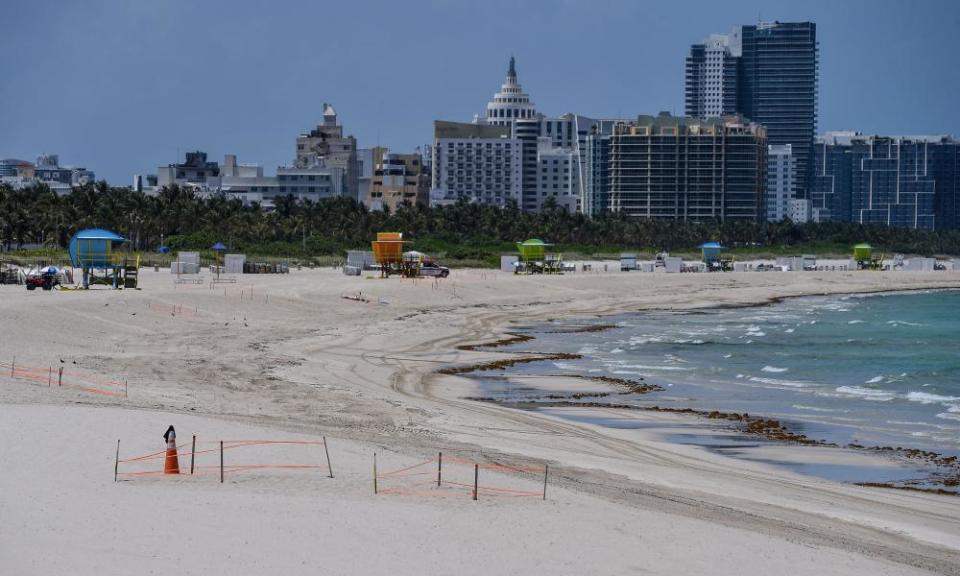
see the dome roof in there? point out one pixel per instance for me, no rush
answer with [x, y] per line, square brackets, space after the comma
[511, 102]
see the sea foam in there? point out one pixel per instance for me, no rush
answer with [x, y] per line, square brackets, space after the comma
[778, 382]
[866, 393]
[927, 398]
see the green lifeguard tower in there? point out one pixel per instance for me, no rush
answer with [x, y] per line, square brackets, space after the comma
[863, 255]
[535, 260]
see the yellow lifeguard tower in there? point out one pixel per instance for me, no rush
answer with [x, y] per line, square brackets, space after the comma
[388, 254]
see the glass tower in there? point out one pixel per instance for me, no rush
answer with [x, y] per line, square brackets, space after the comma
[778, 83]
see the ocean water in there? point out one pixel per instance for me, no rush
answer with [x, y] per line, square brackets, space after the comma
[878, 370]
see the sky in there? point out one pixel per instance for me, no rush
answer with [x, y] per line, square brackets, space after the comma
[122, 87]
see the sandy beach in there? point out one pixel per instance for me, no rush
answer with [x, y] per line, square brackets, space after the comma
[316, 353]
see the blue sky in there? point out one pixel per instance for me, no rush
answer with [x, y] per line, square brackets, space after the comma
[124, 86]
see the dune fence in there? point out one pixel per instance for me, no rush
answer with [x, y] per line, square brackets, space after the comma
[222, 458]
[63, 376]
[451, 476]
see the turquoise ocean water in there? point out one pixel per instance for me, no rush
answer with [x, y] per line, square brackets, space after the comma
[880, 370]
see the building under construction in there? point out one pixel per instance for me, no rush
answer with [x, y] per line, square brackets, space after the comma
[688, 169]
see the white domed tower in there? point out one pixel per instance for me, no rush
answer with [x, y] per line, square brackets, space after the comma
[511, 102]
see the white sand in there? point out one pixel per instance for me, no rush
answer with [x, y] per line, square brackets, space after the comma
[296, 358]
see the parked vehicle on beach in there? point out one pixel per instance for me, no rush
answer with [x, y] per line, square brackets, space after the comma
[434, 270]
[45, 279]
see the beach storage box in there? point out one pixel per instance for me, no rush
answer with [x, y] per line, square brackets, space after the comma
[508, 263]
[628, 262]
[920, 265]
[189, 258]
[233, 263]
[184, 268]
[360, 259]
[673, 264]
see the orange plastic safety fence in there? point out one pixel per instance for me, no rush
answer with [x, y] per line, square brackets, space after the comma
[493, 465]
[496, 490]
[151, 456]
[184, 451]
[94, 384]
[396, 473]
[450, 485]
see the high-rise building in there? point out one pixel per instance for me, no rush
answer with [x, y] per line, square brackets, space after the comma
[478, 162]
[778, 84]
[893, 182]
[781, 169]
[688, 169]
[776, 69]
[546, 144]
[398, 179]
[903, 181]
[711, 78]
[830, 185]
[326, 147]
[595, 167]
[549, 143]
[946, 170]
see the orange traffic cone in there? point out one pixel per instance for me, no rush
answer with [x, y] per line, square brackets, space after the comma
[171, 464]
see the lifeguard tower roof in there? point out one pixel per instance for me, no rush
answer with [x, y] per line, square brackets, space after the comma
[93, 248]
[532, 250]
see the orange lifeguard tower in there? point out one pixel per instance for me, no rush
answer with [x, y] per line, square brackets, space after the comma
[388, 254]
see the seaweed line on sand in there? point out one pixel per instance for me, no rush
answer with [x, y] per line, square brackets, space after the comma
[772, 429]
[507, 362]
[582, 329]
[511, 338]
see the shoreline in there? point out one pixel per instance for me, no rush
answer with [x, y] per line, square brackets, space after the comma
[749, 425]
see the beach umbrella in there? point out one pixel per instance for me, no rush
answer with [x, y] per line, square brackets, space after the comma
[219, 247]
[164, 249]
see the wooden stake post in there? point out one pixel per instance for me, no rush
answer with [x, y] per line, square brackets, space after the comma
[476, 479]
[374, 472]
[546, 470]
[116, 462]
[221, 461]
[193, 451]
[439, 467]
[327, 452]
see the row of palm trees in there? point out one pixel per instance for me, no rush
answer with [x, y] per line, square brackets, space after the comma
[180, 219]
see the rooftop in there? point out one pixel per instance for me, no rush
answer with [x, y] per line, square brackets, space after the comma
[445, 129]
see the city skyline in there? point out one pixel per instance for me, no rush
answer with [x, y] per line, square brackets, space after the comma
[162, 80]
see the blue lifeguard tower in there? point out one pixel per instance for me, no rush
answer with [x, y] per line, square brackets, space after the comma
[94, 252]
[712, 258]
